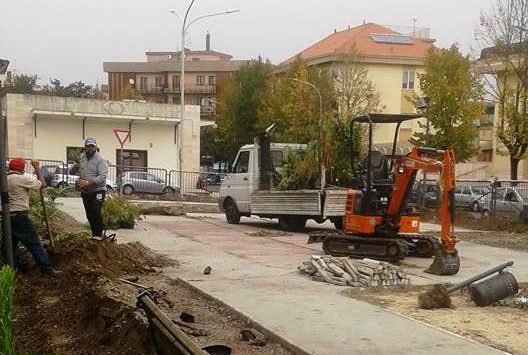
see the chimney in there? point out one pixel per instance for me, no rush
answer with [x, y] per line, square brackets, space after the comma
[208, 41]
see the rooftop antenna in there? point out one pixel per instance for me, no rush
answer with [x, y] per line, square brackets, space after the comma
[414, 19]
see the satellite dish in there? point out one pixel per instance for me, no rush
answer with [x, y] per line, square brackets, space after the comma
[131, 81]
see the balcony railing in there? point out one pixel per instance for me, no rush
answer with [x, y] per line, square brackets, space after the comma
[152, 89]
[192, 89]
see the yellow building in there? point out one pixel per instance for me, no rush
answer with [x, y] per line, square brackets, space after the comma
[498, 165]
[393, 58]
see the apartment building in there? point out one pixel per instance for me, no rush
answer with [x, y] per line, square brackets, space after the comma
[158, 78]
[393, 56]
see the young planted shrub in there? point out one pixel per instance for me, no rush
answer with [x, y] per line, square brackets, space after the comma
[118, 212]
[7, 297]
[37, 214]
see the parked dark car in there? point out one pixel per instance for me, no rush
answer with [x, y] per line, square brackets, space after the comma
[430, 195]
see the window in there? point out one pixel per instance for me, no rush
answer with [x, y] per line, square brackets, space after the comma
[408, 80]
[175, 81]
[242, 163]
[200, 80]
[143, 82]
[212, 80]
[159, 81]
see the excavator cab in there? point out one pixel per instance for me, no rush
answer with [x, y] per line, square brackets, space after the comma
[377, 223]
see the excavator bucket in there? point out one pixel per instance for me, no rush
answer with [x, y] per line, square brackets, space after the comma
[444, 263]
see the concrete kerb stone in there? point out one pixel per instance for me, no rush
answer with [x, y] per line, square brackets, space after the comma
[251, 322]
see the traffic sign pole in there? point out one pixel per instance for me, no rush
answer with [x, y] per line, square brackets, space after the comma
[121, 135]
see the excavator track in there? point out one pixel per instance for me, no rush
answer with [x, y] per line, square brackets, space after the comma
[421, 245]
[357, 246]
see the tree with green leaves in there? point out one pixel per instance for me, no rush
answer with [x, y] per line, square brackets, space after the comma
[238, 109]
[503, 35]
[22, 84]
[455, 93]
[75, 89]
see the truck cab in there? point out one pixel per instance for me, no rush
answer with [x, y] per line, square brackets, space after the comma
[237, 186]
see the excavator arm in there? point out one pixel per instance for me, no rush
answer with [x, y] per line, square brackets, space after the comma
[446, 260]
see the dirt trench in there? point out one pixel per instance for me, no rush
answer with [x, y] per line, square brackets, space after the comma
[86, 309]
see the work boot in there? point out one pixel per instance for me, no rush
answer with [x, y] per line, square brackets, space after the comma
[22, 268]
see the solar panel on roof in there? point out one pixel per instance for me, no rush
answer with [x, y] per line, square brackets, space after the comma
[391, 38]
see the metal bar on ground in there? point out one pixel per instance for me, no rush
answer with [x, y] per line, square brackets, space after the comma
[154, 313]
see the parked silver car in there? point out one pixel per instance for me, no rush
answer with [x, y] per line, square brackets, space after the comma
[468, 196]
[139, 181]
[509, 201]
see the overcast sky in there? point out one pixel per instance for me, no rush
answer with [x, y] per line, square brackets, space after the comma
[70, 39]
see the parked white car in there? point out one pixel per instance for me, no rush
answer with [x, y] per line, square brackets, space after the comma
[64, 180]
[509, 201]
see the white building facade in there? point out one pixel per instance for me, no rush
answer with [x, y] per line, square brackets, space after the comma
[54, 128]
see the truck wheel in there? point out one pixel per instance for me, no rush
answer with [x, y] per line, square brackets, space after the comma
[292, 223]
[231, 212]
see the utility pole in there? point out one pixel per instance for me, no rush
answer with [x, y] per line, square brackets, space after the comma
[6, 216]
[184, 28]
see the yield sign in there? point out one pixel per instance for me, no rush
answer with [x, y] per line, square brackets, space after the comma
[122, 135]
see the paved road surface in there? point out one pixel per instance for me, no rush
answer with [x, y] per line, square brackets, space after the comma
[257, 276]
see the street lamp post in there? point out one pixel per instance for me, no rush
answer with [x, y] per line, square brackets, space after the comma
[323, 168]
[184, 28]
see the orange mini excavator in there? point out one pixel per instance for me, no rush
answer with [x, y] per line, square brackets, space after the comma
[377, 222]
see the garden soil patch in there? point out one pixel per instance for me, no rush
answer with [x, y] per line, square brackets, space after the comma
[498, 232]
[501, 326]
[85, 309]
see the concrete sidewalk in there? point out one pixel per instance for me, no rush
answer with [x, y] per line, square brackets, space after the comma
[258, 277]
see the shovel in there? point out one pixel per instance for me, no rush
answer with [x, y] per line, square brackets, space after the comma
[438, 296]
[46, 222]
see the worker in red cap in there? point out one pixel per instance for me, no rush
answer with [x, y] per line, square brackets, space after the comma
[22, 229]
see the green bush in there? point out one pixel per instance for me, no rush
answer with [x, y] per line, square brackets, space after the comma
[7, 297]
[118, 212]
[298, 171]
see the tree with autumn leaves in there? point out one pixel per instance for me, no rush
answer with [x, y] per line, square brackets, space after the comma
[455, 94]
[258, 96]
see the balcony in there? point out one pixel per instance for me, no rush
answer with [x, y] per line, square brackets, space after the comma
[152, 89]
[192, 89]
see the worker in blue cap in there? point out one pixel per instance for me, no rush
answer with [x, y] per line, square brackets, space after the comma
[93, 169]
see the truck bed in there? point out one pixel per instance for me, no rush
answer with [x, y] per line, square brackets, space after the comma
[299, 202]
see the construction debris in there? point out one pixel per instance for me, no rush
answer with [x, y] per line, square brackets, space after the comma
[253, 336]
[484, 293]
[345, 271]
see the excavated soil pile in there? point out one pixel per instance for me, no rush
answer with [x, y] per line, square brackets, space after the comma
[74, 312]
[437, 297]
[86, 310]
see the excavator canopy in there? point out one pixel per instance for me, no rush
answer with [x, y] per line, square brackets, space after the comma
[385, 118]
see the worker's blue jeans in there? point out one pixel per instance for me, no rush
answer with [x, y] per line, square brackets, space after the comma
[23, 231]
